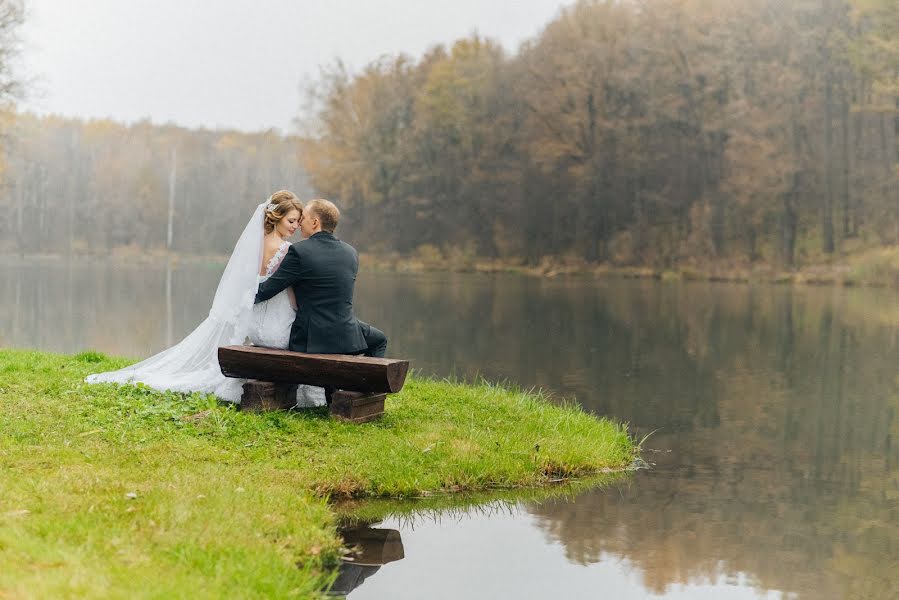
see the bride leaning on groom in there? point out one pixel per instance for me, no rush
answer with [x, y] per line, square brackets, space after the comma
[272, 293]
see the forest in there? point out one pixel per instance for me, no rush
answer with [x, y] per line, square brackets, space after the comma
[644, 133]
[91, 187]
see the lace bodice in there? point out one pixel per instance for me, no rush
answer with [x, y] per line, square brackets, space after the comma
[275, 260]
[273, 317]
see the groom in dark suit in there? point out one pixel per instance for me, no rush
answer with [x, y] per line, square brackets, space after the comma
[322, 271]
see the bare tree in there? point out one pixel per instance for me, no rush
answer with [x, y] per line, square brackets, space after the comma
[11, 17]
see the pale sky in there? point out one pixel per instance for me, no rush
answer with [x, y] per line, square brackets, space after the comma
[233, 63]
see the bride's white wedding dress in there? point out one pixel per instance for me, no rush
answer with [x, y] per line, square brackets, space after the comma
[192, 364]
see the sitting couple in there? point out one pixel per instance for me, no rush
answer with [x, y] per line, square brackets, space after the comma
[274, 294]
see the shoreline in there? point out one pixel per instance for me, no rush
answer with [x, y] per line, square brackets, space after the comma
[138, 490]
[877, 268]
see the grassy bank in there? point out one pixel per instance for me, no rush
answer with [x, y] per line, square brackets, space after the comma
[125, 492]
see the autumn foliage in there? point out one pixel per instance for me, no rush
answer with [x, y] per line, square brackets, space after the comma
[642, 133]
[656, 134]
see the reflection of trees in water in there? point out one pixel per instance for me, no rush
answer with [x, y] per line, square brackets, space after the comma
[66, 307]
[680, 531]
[795, 482]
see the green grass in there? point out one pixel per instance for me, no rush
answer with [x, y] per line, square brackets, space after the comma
[117, 492]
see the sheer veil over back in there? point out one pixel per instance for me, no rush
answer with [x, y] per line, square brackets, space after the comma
[192, 364]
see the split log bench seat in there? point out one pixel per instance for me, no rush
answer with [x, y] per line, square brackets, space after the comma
[358, 385]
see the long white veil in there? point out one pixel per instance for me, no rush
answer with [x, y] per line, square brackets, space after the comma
[192, 364]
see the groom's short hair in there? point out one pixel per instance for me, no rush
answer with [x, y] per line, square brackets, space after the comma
[326, 212]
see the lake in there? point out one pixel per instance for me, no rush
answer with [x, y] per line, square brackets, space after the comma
[770, 412]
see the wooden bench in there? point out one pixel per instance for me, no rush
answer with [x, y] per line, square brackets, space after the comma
[357, 385]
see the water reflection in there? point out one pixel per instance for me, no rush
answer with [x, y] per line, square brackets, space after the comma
[370, 548]
[126, 311]
[497, 550]
[774, 410]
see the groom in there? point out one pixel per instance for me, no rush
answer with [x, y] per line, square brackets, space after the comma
[322, 271]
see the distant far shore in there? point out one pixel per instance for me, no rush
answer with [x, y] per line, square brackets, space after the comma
[877, 267]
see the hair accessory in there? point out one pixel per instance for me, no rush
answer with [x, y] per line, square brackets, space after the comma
[270, 206]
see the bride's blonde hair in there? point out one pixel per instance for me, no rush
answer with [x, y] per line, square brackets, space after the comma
[280, 203]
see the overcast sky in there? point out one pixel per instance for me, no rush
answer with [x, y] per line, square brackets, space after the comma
[233, 63]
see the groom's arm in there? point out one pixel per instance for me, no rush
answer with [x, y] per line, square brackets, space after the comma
[288, 273]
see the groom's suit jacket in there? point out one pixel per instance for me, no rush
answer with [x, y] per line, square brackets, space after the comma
[322, 272]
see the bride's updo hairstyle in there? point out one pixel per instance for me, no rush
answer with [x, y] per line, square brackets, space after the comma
[281, 203]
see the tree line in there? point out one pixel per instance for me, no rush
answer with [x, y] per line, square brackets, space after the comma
[634, 133]
[76, 186]
[645, 133]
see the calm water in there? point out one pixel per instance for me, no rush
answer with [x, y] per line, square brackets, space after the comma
[773, 410]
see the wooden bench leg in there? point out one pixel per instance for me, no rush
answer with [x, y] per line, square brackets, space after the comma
[357, 407]
[260, 396]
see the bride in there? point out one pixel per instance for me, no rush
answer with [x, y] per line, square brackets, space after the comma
[192, 364]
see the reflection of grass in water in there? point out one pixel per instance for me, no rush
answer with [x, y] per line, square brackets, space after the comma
[436, 507]
[125, 491]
